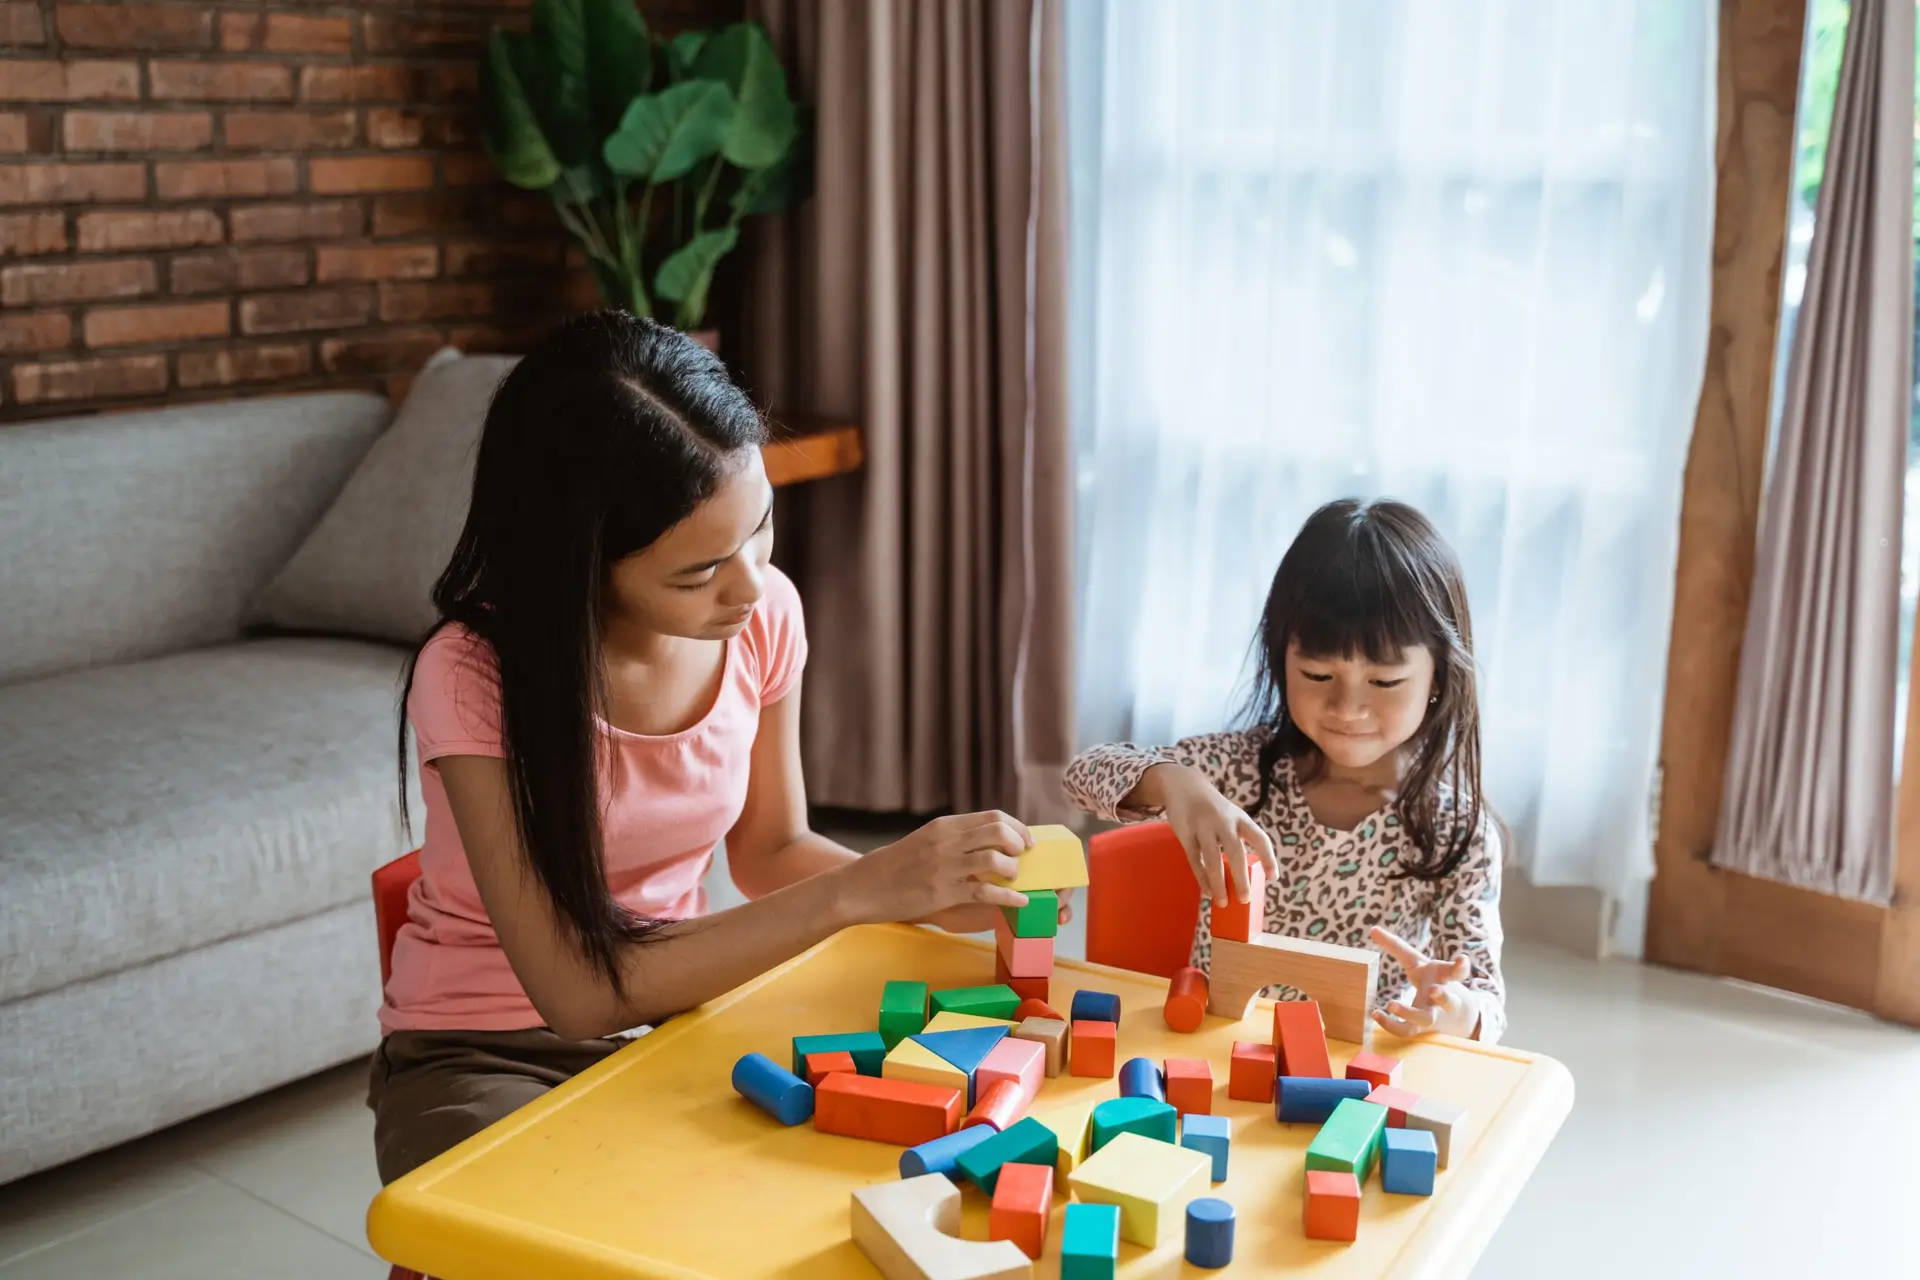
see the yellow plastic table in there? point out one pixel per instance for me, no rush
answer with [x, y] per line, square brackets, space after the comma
[650, 1165]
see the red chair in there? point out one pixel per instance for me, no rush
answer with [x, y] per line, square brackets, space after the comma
[1142, 900]
[390, 886]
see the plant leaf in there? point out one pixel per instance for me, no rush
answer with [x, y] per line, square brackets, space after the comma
[764, 127]
[665, 134]
[619, 59]
[687, 273]
[682, 50]
[783, 184]
[514, 140]
[560, 40]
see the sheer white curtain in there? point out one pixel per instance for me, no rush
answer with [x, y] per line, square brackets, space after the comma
[1450, 251]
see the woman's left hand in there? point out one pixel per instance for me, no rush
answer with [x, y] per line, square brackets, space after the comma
[1441, 1000]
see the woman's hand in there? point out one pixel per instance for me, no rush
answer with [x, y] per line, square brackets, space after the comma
[1441, 1000]
[1209, 826]
[946, 864]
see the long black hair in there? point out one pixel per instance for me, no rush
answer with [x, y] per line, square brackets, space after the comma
[612, 430]
[1377, 579]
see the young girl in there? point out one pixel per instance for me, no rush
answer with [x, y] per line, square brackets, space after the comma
[614, 688]
[1358, 786]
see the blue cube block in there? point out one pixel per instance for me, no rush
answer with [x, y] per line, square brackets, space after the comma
[1212, 1135]
[1090, 1242]
[1095, 1006]
[1408, 1158]
[1209, 1232]
[1311, 1099]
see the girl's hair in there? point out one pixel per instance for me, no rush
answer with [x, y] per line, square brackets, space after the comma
[1376, 579]
[612, 430]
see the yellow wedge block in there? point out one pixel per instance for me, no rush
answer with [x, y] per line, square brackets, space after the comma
[1056, 861]
[961, 1021]
[1074, 1127]
[1151, 1182]
[911, 1060]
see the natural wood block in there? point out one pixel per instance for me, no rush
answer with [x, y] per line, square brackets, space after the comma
[1190, 1085]
[1300, 1040]
[1150, 1181]
[902, 1112]
[1022, 1207]
[1340, 978]
[1441, 1119]
[1051, 1035]
[822, 1065]
[910, 1230]
[1250, 1073]
[1091, 1051]
[1243, 921]
[1056, 861]
[1332, 1210]
[1186, 1006]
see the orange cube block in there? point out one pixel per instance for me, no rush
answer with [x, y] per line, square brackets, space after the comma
[1377, 1069]
[1186, 1000]
[1033, 1008]
[1243, 921]
[822, 1065]
[1022, 1207]
[1250, 1074]
[1091, 1053]
[1300, 1040]
[903, 1112]
[1333, 1205]
[1189, 1083]
[1396, 1100]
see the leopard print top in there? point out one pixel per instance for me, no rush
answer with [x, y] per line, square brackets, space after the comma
[1333, 885]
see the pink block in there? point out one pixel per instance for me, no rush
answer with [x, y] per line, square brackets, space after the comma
[1022, 1061]
[1024, 957]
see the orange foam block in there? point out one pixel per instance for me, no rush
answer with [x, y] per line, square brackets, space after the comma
[1186, 1000]
[1092, 1049]
[1300, 1040]
[1021, 957]
[1377, 1069]
[1189, 1084]
[1333, 1205]
[1022, 1207]
[1243, 921]
[903, 1112]
[1396, 1100]
[822, 1065]
[1250, 1075]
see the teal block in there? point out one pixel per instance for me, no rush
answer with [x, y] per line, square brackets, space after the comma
[1090, 1242]
[867, 1048]
[1040, 918]
[1148, 1117]
[1028, 1142]
[1349, 1141]
[903, 1011]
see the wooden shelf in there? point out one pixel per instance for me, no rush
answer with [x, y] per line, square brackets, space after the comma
[806, 448]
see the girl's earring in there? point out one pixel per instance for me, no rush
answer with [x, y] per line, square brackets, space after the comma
[1433, 700]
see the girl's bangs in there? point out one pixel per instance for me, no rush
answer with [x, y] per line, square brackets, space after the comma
[1355, 607]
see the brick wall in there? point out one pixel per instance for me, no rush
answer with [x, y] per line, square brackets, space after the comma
[206, 200]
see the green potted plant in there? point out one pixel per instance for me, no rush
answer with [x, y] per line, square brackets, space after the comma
[653, 151]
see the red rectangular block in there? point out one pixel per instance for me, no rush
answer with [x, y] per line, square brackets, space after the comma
[1022, 1207]
[1241, 921]
[1396, 1100]
[1332, 1205]
[902, 1112]
[1377, 1069]
[1300, 1040]
[1025, 988]
[822, 1065]
[1189, 1084]
[1250, 1075]
[1091, 1053]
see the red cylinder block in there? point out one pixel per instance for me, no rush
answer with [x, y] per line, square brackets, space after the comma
[1186, 1000]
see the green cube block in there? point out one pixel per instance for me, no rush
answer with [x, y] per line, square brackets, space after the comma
[867, 1048]
[1090, 1242]
[1028, 1142]
[1148, 1117]
[1040, 918]
[1349, 1141]
[997, 1001]
[903, 1011]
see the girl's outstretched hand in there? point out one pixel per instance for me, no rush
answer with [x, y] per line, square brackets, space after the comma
[1210, 826]
[1441, 1001]
[946, 864]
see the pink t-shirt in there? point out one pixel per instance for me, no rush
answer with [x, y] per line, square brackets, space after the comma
[666, 802]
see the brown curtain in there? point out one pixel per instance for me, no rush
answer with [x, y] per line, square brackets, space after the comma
[1809, 785]
[922, 294]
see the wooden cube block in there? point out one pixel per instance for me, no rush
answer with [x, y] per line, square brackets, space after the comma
[1349, 1141]
[1299, 1040]
[1056, 861]
[1408, 1158]
[1022, 1207]
[1211, 1135]
[1186, 1006]
[1040, 918]
[910, 1230]
[867, 1048]
[1396, 1100]
[1027, 1142]
[1150, 1181]
[1022, 1063]
[903, 1011]
[913, 1061]
[821, 1065]
[1090, 1242]
[1441, 1119]
[1376, 1069]
[1251, 1071]
[997, 1001]
[1028, 989]
[902, 1112]
[1333, 1206]
[1073, 1126]
[1243, 921]
[1022, 957]
[1148, 1117]
[1190, 1085]
[1051, 1035]
[1092, 1048]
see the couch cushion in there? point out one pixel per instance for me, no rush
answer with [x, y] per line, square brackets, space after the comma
[153, 807]
[369, 568]
[144, 533]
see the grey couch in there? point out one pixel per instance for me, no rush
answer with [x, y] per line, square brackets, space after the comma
[188, 815]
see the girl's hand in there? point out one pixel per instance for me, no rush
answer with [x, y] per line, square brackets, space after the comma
[1209, 826]
[1441, 1001]
[945, 864]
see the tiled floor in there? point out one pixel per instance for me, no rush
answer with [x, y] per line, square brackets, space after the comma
[1719, 1132]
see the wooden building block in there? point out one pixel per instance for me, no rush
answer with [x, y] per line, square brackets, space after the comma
[1026, 988]
[1036, 1009]
[1377, 1069]
[1022, 957]
[1095, 1006]
[1150, 1181]
[1396, 1100]
[1212, 1135]
[903, 1112]
[910, 1230]
[1240, 921]
[1311, 1099]
[1340, 978]
[1140, 1078]
[1023, 1207]
[1091, 1051]
[1000, 1107]
[1350, 1139]
[997, 1001]
[1408, 1158]
[1300, 1040]
[1073, 1126]
[961, 1021]
[903, 1011]
[911, 1060]
[1190, 1085]
[1040, 918]
[772, 1088]
[1090, 1242]
[1051, 1035]
[1027, 1142]
[965, 1049]
[1056, 861]
[1442, 1119]
[1023, 1063]
[1332, 1206]
[1250, 1072]
[821, 1065]
[1148, 1117]
[942, 1155]
[1209, 1232]
[867, 1048]
[1186, 1006]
